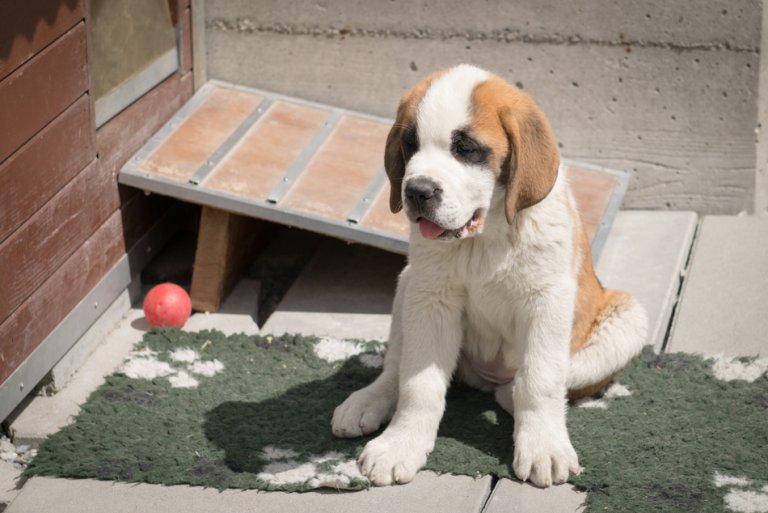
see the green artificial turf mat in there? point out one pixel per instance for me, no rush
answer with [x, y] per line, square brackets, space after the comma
[254, 412]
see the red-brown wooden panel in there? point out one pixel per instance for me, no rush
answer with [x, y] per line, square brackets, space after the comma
[190, 146]
[26, 27]
[379, 217]
[53, 233]
[258, 162]
[341, 170]
[592, 191]
[34, 173]
[23, 331]
[41, 89]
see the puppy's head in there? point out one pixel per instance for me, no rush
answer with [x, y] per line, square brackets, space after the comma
[461, 136]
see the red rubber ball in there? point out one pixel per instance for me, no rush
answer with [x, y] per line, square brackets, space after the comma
[167, 305]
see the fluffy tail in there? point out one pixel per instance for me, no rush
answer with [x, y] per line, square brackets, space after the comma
[620, 335]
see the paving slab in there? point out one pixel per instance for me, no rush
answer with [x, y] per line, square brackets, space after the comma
[426, 493]
[645, 255]
[237, 314]
[9, 482]
[345, 291]
[516, 497]
[723, 304]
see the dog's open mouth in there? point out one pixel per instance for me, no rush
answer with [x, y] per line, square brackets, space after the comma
[431, 230]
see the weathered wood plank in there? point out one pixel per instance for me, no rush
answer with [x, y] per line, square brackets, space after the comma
[42, 89]
[34, 173]
[190, 146]
[349, 160]
[53, 233]
[59, 294]
[28, 27]
[256, 164]
[225, 244]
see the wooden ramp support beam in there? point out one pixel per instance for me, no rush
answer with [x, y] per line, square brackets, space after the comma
[226, 244]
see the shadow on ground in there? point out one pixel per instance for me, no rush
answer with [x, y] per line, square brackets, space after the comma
[475, 434]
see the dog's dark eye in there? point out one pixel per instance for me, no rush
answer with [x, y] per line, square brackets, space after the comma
[468, 149]
[465, 148]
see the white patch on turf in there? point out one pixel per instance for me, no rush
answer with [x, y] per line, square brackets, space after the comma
[721, 480]
[738, 498]
[745, 501]
[591, 403]
[334, 350]
[284, 470]
[145, 365]
[283, 473]
[182, 379]
[730, 369]
[617, 390]
[271, 453]
[372, 360]
[185, 355]
[208, 368]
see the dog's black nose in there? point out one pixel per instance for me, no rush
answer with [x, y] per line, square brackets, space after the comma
[423, 193]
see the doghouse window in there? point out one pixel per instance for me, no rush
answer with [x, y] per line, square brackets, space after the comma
[134, 47]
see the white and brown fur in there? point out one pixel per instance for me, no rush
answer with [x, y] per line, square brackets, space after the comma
[510, 285]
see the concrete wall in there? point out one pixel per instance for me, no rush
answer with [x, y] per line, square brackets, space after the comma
[666, 90]
[761, 175]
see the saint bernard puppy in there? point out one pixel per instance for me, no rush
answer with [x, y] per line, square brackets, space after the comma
[499, 289]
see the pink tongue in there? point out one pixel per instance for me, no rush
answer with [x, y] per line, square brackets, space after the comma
[429, 230]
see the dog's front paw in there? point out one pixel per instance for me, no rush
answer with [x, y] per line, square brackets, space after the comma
[363, 412]
[544, 456]
[393, 458]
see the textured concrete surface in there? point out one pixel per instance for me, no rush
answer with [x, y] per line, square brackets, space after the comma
[9, 482]
[45, 415]
[724, 300]
[427, 493]
[237, 314]
[761, 174]
[345, 291]
[668, 92]
[645, 255]
[515, 497]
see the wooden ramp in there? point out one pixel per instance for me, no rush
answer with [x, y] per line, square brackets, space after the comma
[304, 164]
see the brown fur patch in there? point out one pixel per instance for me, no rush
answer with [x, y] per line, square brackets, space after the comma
[395, 158]
[504, 116]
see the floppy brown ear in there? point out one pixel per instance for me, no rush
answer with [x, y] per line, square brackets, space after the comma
[531, 166]
[394, 164]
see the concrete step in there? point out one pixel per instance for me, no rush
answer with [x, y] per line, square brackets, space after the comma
[516, 497]
[645, 255]
[723, 305]
[237, 314]
[427, 493]
[345, 291]
[10, 479]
